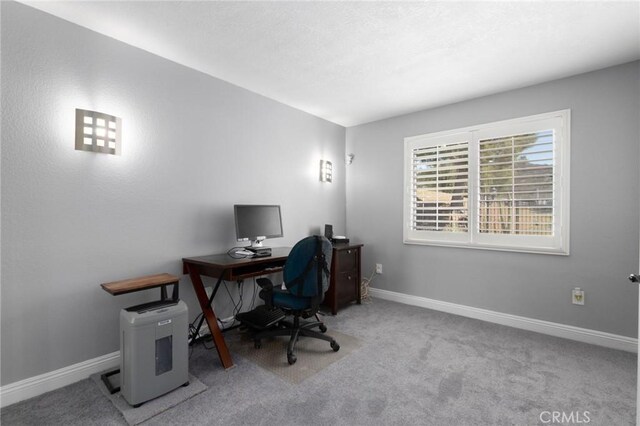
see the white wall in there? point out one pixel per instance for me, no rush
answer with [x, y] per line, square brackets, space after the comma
[192, 147]
[605, 111]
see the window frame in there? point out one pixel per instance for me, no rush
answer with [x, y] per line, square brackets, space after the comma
[558, 243]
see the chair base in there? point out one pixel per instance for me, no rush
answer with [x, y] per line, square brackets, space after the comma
[295, 330]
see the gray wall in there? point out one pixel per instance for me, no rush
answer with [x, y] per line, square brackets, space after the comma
[605, 112]
[192, 147]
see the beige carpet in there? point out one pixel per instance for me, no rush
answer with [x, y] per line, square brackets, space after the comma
[313, 354]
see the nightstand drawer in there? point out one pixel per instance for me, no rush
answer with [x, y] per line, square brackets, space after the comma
[346, 286]
[347, 260]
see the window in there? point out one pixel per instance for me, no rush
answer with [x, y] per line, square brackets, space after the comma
[502, 186]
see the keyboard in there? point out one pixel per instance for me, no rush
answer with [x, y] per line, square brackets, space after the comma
[261, 317]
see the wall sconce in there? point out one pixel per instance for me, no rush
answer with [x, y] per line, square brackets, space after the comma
[98, 132]
[348, 159]
[326, 171]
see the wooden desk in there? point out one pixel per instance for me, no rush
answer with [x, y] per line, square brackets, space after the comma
[225, 267]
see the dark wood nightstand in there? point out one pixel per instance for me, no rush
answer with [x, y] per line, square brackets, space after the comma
[346, 276]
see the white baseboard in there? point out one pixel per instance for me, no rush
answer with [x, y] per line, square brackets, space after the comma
[584, 335]
[43, 383]
[34, 386]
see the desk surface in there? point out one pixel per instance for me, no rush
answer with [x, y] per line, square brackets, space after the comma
[224, 260]
[232, 269]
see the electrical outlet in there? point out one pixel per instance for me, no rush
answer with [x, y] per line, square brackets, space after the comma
[378, 268]
[577, 296]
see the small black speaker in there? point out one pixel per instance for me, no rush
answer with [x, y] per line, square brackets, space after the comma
[328, 231]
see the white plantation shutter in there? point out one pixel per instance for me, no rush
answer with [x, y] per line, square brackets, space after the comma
[502, 186]
[516, 184]
[440, 186]
[437, 180]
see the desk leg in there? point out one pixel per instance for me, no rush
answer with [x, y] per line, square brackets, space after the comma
[213, 295]
[210, 317]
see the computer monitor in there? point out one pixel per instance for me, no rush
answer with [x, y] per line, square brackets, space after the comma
[257, 222]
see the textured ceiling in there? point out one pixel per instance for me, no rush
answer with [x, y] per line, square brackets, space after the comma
[355, 62]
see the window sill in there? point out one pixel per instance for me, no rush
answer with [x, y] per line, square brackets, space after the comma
[515, 249]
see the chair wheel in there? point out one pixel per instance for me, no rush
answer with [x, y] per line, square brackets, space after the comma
[335, 346]
[291, 359]
[323, 328]
[257, 344]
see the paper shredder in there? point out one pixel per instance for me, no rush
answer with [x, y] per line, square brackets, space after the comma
[153, 350]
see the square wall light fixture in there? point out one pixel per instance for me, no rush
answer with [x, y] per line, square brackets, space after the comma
[98, 132]
[326, 174]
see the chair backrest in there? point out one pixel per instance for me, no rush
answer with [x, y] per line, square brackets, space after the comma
[306, 272]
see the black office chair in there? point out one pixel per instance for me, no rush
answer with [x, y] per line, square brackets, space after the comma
[306, 278]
